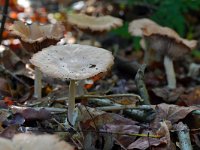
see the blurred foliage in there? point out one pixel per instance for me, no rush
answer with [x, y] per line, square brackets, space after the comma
[122, 31]
[170, 13]
[196, 53]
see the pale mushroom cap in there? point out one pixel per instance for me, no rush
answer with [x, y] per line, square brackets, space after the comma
[73, 61]
[101, 24]
[165, 31]
[39, 142]
[136, 26]
[32, 142]
[37, 33]
[6, 144]
[163, 39]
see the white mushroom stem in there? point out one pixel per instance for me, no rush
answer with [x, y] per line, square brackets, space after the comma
[71, 102]
[169, 69]
[38, 83]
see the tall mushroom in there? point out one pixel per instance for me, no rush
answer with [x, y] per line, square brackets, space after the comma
[135, 29]
[74, 62]
[94, 25]
[166, 42]
[34, 38]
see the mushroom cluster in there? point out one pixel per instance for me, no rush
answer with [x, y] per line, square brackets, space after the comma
[34, 38]
[165, 42]
[74, 62]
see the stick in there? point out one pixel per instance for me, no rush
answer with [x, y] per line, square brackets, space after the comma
[38, 83]
[5, 11]
[139, 79]
[184, 136]
[142, 113]
[6, 71]
[105, 96]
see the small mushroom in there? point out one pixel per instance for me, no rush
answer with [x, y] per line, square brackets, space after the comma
[94, 25]
[74, 62]
[34, 38]
[164, 41]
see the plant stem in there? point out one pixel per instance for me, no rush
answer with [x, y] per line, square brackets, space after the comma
[38, 83]
[71, 102]
[140, 84]
[184, 136]
[169, 69]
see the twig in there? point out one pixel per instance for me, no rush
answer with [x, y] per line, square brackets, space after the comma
[184, 136]
[105, 96]
[51, 109]
[5, 11]
[139, 79]
[142, 113]
[62, 126]
[113, 108]
[6, 71]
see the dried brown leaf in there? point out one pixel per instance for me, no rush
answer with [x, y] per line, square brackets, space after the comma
[171, 113]
[31, 113]
[168, 95]
[146, 142]
[191, 97]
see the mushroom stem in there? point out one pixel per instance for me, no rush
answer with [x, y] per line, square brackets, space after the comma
[169, 69]
[38, 83]
[71, 102]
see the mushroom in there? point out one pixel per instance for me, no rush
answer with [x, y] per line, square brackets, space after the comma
[34, 38]
[135, 29]
[165, 41]
[74, 62]
[94, 25]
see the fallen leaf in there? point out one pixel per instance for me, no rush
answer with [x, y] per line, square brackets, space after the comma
[10, 131]
[146, 142]
[191, 97]
[168, 95]
[163, 131]
[171, 113]
[31, 113]
[8, 101]
[114, 125]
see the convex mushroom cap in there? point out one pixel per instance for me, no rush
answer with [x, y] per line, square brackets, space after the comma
[34, 142]
[92, 24]
[34, 37]
[73, 61]
[137, 26]
[162, 39]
